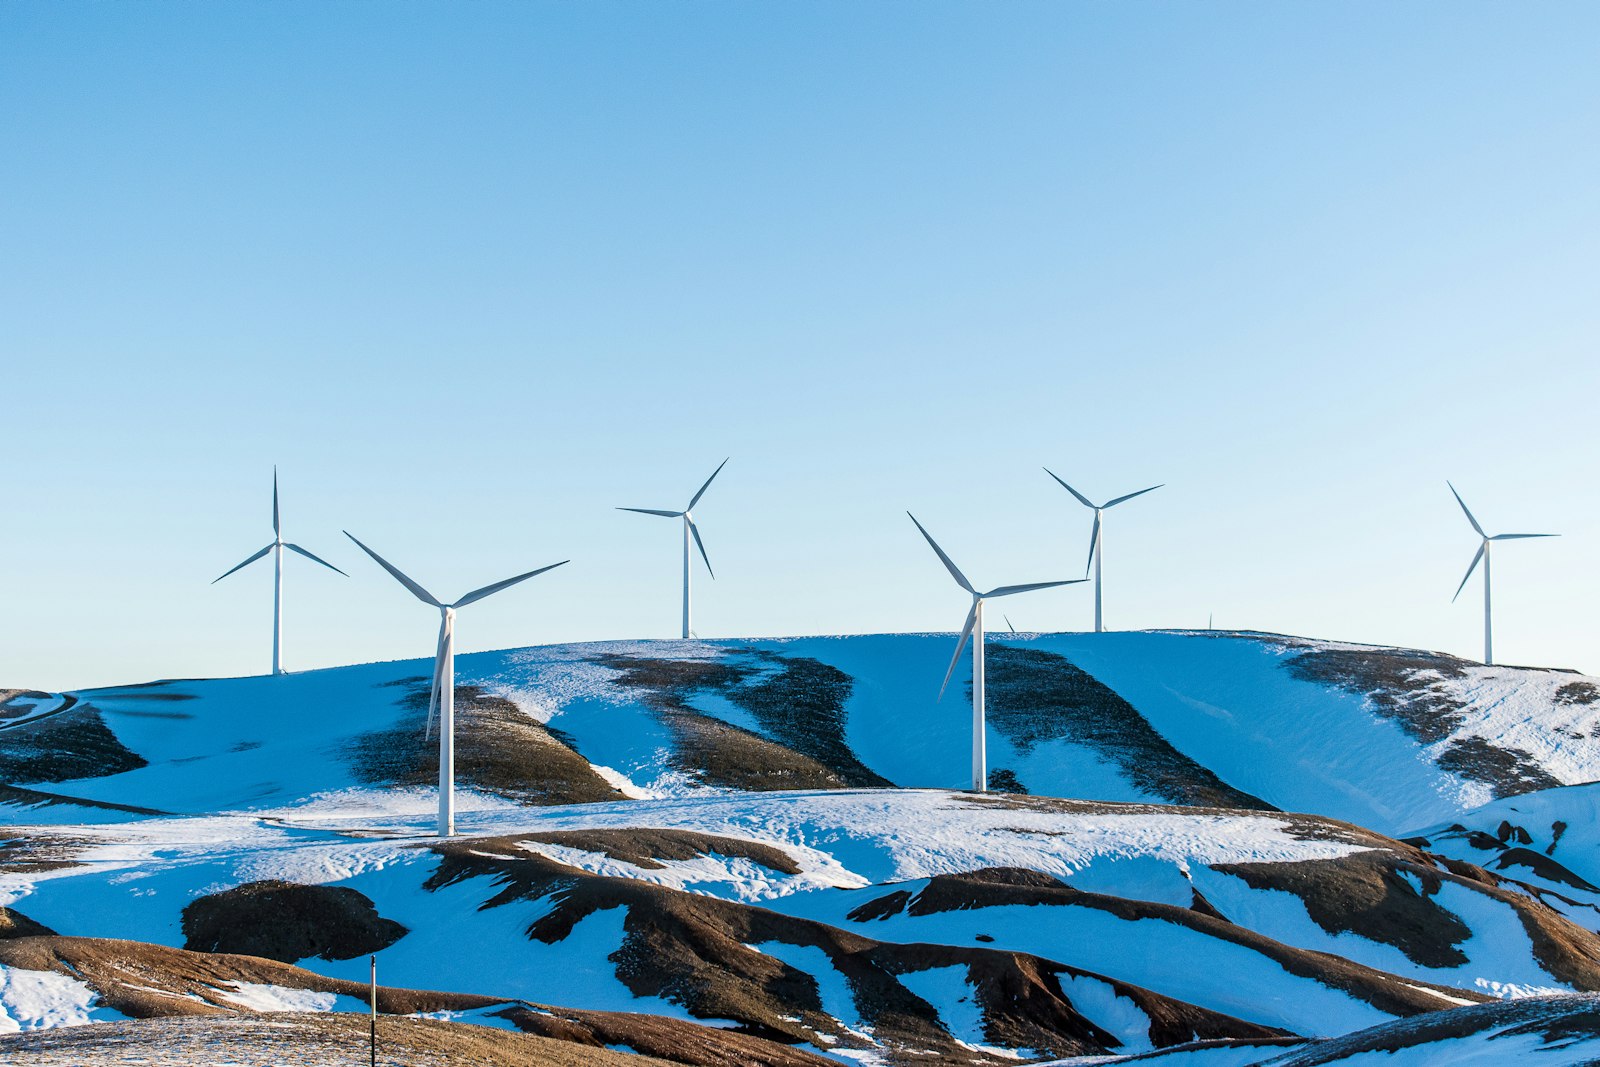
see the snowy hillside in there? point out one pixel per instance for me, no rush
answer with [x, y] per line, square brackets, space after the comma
[1387, 738]
[718, 852]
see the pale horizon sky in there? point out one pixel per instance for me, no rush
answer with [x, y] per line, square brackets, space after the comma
[473, 276]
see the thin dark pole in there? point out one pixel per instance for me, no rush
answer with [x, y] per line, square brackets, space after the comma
[374, 1030]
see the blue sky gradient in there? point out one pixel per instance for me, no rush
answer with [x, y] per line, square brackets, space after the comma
[474, 275]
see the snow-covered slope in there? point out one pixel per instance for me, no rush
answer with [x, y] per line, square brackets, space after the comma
[761, 834]
[1386, 738]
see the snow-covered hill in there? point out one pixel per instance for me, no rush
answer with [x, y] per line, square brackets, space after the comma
[1387, 738]
[761, 835]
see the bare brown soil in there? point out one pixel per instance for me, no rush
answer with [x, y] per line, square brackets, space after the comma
[148, 982]
[999, 887]
[695, 950]
[72, 744]
[1559, 1020]
[1578, 693]
[1361, 893]
[499, 749]
[1402, 686]
[1034, 697]
[798, 704]
[288, 922]
[15, 924]
[300, 1040]
[646, 848]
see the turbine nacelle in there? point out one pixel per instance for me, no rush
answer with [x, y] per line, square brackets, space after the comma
[977, 599]
[1486, 538]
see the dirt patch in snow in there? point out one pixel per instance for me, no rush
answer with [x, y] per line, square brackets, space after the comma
[499, 749]
[697, 951]
[797, 704]
[1566, 1024]
[1034, 697]
[75, 743]
[1544, 867]
[1000, 887]
[151, 982]
[1578, 693]
[1375, 895]
[1364, 893]
[1508, 771]
[646, 847]
[285, 921]
[706, 748]
[667, 1039]
[15, 924]
[1409, 688]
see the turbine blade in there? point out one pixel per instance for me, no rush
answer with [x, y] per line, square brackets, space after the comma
[1008, 590]
[488, 590]
[277, 530]
[1094, 542]
[416, 590]
[702, 546]
[955, 572]
[1516, 537]
[1130, 496]
[246, 563]
[651, 511]
[1463, 504]
[1081, 498]
[966, 632]
[1009, 626]
[313, 558]
[1470, 569]
[703, 488]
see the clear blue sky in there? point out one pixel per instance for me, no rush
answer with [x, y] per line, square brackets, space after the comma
[473, 275]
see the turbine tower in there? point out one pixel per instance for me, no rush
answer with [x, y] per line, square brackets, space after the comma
[276, 548]
[1096, 538]
[690, 530]
[1483, 554]
[973, 628]
[443, 694]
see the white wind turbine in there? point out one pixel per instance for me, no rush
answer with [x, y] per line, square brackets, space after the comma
[443, 694]
[690, 530]
[1483, 554]
[1096, 538]
[276, 548]
[973, 628]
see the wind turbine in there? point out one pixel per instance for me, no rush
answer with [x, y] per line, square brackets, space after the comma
[974, 629]
[276, 548]
[1096, 538]
[443, 694]
[689, 530]
[1483, 554]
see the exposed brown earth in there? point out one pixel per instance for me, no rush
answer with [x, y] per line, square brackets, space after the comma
[1402, 686]
[706, 748]
[15, 924]
[300, 1040]
[799, 703]
[645, 848]
[57, 748]
[499, 749]
[1000, 887]
[146, 981]
[288, 922]
[1034, 697]
[1559, 1021]
[696, 951]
